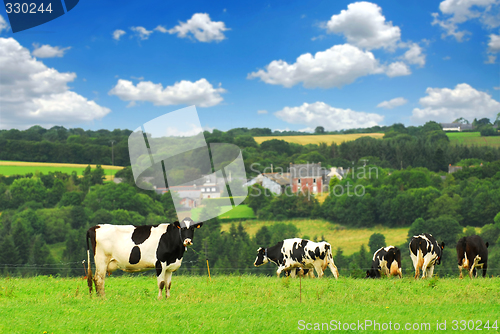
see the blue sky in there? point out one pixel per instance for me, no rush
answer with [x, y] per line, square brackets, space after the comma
[281, 64]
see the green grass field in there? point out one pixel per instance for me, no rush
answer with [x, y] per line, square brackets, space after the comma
[472, 138]
[316, 139]
[350, 240]
[242, 211]
[8, 168]
[244, 304]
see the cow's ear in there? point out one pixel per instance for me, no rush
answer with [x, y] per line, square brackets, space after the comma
[199, 225]
[177, 224]
[258, 250]
[442, 245]
[487, 244]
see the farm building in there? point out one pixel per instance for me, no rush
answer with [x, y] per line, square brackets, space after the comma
[275, 182]
[456, 126]
[308, 176]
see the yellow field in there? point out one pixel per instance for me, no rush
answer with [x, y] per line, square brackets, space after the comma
[350, 240]
[316, 139]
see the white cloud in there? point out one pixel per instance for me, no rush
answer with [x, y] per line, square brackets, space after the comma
[47, 51]
[364, 26]
[494, 43]
[118, 33]
[491, 59]
[459, 11]
[320, 113]
[447, 58]
[260, 112]
[397, 69]
[396, 102]
[445, 104]
[31, 93]
[201, 27]
[141, 32]
[200, 93]
[161, 29]
[175, 132]
[308, 129]
[414, 55]
[496, 88]
[335, 67]
[3, 24]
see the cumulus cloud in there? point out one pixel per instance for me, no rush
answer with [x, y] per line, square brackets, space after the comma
[201, 27]
[260, 112]
[320, 113]
[364, 25]
[141, 32]
[47, 51]
[118, 33]
[397, 69]
[335, 67]
[445, 104]
[414, 55]
[161, 29]
[494, 43]
[31, 93]
[200, 93]
[456, 12]
[396, 102]
[3, 24]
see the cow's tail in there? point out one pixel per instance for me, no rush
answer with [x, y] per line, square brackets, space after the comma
[89, 267]
[331, 264]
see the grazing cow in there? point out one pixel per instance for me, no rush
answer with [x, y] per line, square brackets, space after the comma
[386, 261]
[298, 253]
[139, 248]
[472, 253]
[425, 253]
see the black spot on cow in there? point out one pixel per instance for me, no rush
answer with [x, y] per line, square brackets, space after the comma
[141, 234]
[158, 268]
[135, 255]
[91, 237]
[170, 248]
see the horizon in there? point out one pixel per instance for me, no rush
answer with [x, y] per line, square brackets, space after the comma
[283, 66]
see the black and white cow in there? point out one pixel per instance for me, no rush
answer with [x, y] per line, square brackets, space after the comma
[386, 261]
[298, 253]
[472, 253]
[139, 248]
[425, 252]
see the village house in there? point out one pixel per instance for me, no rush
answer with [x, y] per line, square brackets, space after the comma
[275, 182]
[308, 176]
[456, 126]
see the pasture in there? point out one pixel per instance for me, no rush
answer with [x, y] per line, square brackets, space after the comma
[247, 303]
[241, 211]
[472, 139]
[349, 239]
[8, 168]
[317, 139]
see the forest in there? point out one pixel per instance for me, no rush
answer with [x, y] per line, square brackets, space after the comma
[411, 188]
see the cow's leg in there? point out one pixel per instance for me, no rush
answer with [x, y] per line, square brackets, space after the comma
[101, 268]
[160, 277]
[460, 269]
[333, 269]
[293, 273]
[473, 267]
[414, 260]
[485, 266]
[168, 283]
[319, 269]
[430, 271]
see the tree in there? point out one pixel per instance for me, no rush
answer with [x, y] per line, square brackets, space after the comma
[377, 241]
[97, 176]
[319, 130]
[25, 190]
[462, 120]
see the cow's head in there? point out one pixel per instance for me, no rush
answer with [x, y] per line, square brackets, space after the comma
[261, 257]
[440, 253]
[186, 228]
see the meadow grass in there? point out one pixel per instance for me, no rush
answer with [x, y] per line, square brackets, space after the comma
[239, 304]
[472, 138]
[8, 168]
[241, 211]
[316, 139]
[349, 239]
